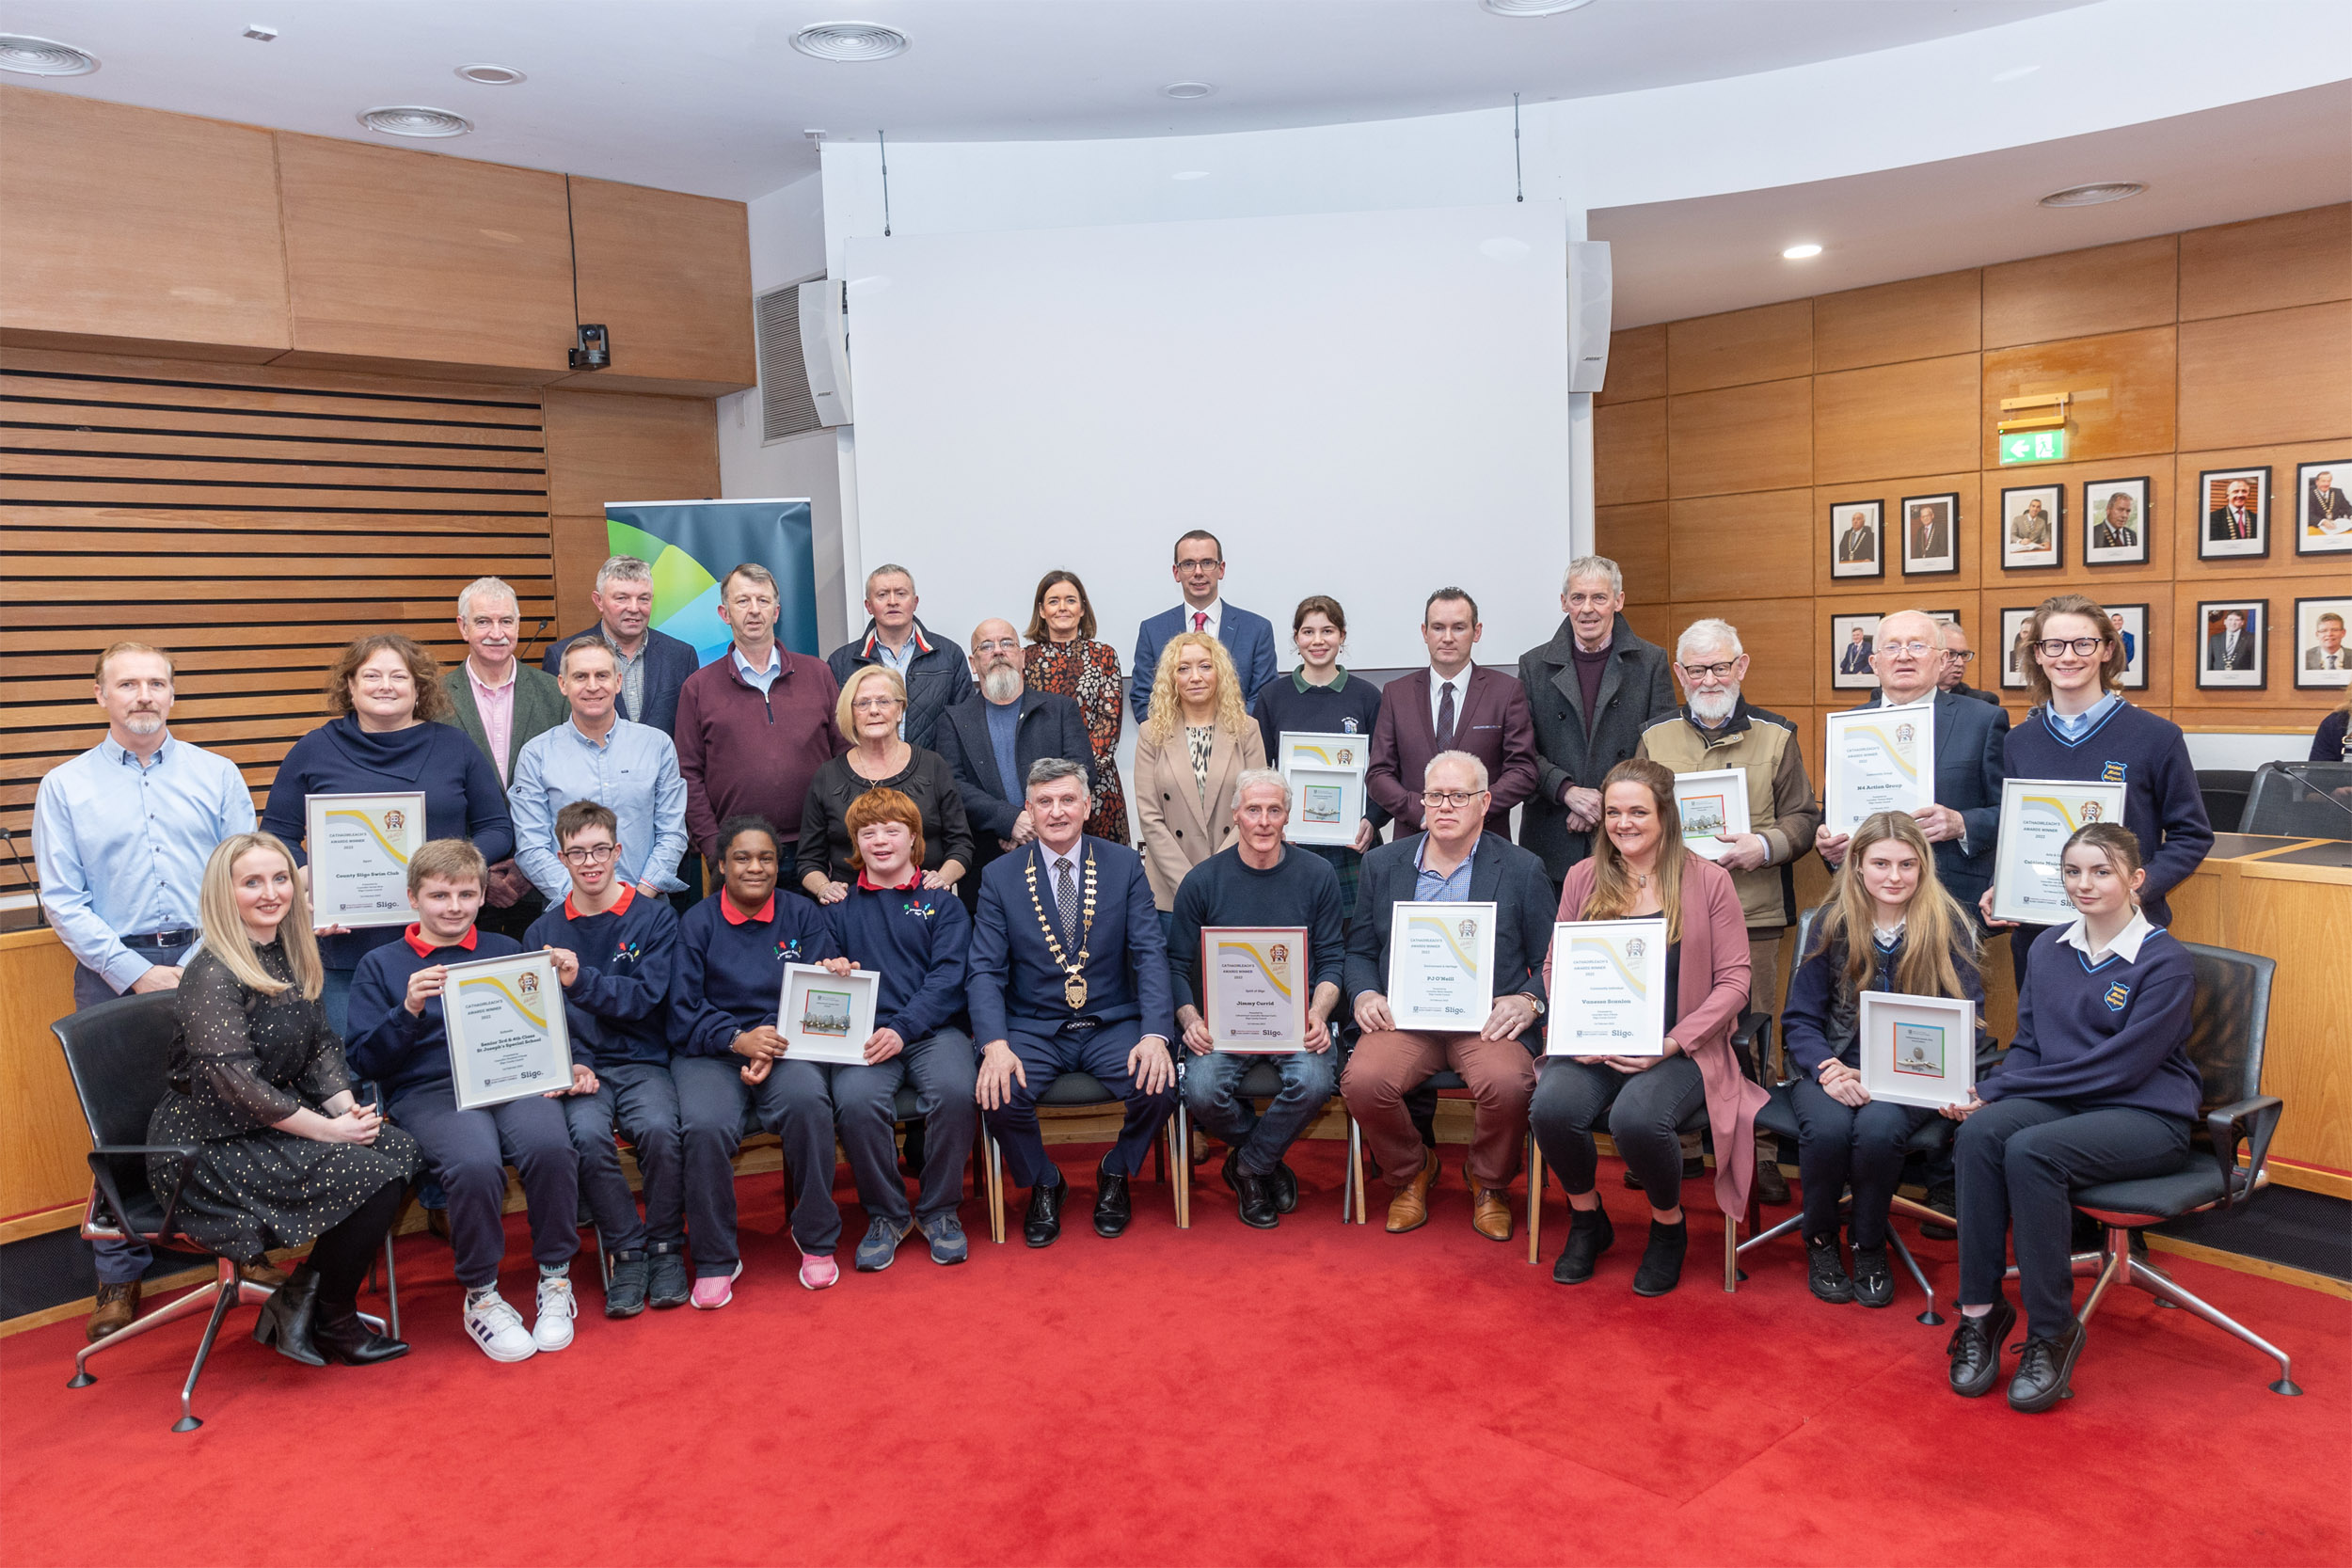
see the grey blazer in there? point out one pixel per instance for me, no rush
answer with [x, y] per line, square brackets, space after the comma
[539, 707]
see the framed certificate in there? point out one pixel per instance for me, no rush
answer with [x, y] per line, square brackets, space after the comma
[1879, 759]
[1441, 965]
[1324, 751]
[359, 846]
[826, 1017]
[2038, 817]
[1919, 1050]
[1608, 988]
[1253, 987]
[1327, 804]
[506, 1033]
[1710, 803]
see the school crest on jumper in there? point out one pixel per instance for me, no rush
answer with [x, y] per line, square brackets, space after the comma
[627, 952]
[916, 907]
[2111, 773]
[2117, 996]
[788, 950]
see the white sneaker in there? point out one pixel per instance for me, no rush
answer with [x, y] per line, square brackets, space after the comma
[498, 1328]
[557, 1308]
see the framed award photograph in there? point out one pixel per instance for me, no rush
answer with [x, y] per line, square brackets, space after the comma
[1930, 534]
[1711, 803]
[1608, 988]
[826, 1017]
[507, 1039]
[2115, 522]
[359, 846]
[1918, 1050]
[2033, 520]
[1308, 750]
[2322, 658]
[2038, 817]
[1441, 965]
[1253, 987]
[2016, 658]
[1856, 540]
[2131, 626]
[1850, 639]
[1327, 804]
[1878, 759]
[2323, 509]
[2234, 507]
[2231, 636]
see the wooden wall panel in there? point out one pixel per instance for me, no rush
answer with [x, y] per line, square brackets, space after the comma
[1734, 547]
[2122, 387]
[1636, 538]
[1984, 541]
[182, 245]
[2281, 376]
[2270, 263]
[44, 1143]
[2080, 293]
[1629, 453]
[2189, 516]
[619, 447]
[1740, 438]
[1637, 365]
[1890, 495]
[1918, 417]
[671, 275]
[1920, 318]
[1769, 342]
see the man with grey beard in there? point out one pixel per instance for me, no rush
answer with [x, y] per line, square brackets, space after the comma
[990, 738]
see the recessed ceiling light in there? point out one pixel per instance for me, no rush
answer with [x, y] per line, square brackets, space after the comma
[2092, 196]
[1533, 8]
[850, 41]
[260, 33]
[1801, 252]
[32, 56]
[415, 120]
[490, 76]
[1189, 89]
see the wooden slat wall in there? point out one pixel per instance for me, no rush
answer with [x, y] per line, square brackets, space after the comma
[251, 520]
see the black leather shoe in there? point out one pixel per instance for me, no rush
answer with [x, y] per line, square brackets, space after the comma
[340, 1336]
[1975, 1348]
[1230, 1170]
[667, 1282]
[288, 1317]
[1257, 1200]
[1044, 1217]
[625, 1292]
[1590, 1234]
[1825, 1271]
[1943, 1197]
[1772, 1187]
[1661, 1261]
[2043, 1370]
[1284, 1182]
[1873, 1278]
[1111, 1209]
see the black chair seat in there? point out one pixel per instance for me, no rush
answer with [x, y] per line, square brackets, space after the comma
[2152, 1199]
[1444, 1078]
[1076, 1088]
[1263, 1080]
[904, 1107]
[146, 1217]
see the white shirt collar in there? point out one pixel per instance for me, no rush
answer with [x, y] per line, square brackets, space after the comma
[2126, 943]
[1214, 611]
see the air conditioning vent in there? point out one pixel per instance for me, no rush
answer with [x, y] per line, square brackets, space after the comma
[32, 56]
[786, 405]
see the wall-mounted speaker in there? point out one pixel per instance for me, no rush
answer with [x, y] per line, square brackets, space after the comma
[825, 340]
[1588, 314]
[804, 359]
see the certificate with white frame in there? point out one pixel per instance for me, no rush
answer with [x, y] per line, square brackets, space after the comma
[1710, 803]
[507, 1039]
[824, 1017]
[359, 846]
[1253, 987]
[1919, 1050]
[2038, 817]
[1327, 804]
[1310, 749]
[1441, 965]
[1608, 988]
[1878, 759]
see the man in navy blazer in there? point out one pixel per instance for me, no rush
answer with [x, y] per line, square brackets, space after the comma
[1005, 717]
[1452, 706]
[653, 665]
[1069, 973]
[1199, 568]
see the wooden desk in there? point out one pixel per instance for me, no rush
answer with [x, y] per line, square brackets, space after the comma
[44, 1143]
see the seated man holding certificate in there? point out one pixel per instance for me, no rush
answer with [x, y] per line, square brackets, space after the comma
[1640, 868]
[1452, 862]
[399, 1039]
[1264, 883]
[1069, 973]
[1921, 942]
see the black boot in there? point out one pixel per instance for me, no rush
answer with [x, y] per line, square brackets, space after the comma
[290, 1316]
[1589, 1235]
[340, 1336]
[1661, 1260]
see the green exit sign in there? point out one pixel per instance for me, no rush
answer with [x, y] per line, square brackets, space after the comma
[2034, 446]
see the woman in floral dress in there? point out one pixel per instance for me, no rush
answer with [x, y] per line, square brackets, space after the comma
[1065, 658]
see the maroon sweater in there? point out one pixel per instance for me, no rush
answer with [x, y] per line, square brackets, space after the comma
[741, 752]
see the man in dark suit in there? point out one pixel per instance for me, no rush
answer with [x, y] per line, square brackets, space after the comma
[501, 702]
[1591, 692]
[1069, 973]
[1958, 655]
[1856, 658]
[1931, 535]
[1249, 639]
[2233, 646]
[990, 739]
[653, 665]
[932, 671]
[2236, 517]
[2326, 650]
[1857, 544]
[1454, 861]
[2324, 503]
[1453, 705]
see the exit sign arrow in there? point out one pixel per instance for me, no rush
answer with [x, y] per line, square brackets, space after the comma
[2033, 446]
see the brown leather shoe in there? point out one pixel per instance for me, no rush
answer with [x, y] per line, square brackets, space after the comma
[1409, 1208]
[263, 1274]
[1490, 1213]
[117, 1306]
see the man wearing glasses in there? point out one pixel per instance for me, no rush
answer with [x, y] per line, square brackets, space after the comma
[1249, 639]
[1958, 655]
[990, 739]
[631, 769]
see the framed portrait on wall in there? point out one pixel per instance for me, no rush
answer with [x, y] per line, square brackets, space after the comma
[2115, 522]
[2131, 625]
[2229, 654]
[1930, 525]
[1851, 638]
[2322, 658]
[2235, 505]
[1857, 540]
[2015, 660]
[2032, 521]
[2323, 508]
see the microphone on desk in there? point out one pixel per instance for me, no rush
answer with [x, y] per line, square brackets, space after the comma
[40, 916]
[536, 632]
[2300, 773]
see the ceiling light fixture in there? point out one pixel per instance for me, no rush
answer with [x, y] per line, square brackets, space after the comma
[490, 76]
[850, 41]
[1533, 8]
[1801, 252]
[416, 120]
[32, 56]
[2094, 194]
[1187, 91]
[260, 33]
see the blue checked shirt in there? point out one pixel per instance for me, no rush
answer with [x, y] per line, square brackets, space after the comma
[632, 771]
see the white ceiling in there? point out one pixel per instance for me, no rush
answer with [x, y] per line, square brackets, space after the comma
[709, 96]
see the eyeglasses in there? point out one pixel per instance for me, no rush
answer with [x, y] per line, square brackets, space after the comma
[1198, 565]
[1005, 644]
[1710, 672]
[591, 854]
[1450, 797]
[1962, 657]
[875, 705]
[1916, 648]
[2082, 648]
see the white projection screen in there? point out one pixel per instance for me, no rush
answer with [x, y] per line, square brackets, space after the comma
[1363, 404]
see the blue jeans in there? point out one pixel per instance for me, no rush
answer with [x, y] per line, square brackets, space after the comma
[1213, 1095]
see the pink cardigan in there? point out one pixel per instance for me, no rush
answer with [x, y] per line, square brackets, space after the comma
[1715, 987]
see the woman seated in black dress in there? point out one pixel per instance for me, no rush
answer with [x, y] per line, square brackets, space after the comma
[287, 1155]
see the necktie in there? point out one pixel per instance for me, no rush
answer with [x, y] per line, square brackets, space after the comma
[2331, 661]
[1199, 620]
[2237, 526]
[1066, 903]
[1445, 718]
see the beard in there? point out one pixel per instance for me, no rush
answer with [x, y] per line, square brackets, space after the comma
[1713, 707]
[1001, 685]
[144, 723]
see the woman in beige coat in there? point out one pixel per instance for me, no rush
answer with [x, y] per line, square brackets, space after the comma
[1193, 748]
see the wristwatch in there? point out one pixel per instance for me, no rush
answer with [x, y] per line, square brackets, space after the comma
[1536, 1002]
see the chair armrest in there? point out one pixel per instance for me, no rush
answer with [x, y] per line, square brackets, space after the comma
[103, 1175]
[2227, 1126]
[1752, 1037]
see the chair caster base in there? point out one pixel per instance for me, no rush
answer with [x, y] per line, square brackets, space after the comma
[2286, 1387]
[80, 1380]
[1930, 1317]
[186, 1423]
[1739, 1274]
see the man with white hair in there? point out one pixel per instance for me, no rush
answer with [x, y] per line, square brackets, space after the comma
[502, 704]
[932, 672]
[990, 739]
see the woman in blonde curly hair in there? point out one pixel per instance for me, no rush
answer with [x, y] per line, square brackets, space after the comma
[1194, 746]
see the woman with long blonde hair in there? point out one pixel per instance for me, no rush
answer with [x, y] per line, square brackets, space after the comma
[1197, 740]
[1888, 925]
[258, 1083]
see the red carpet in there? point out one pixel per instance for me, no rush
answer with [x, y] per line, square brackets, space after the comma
[1310, 1395]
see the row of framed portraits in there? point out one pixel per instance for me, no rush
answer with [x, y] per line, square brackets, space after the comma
[2233, 638]
[2235, 505]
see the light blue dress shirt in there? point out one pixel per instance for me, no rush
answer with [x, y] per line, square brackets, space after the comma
[761, 678]
[1430, 888]
[121, 846]
[632, 771]
[2085, 722]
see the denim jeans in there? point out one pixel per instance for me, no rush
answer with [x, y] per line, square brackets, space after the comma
[1213, 1095]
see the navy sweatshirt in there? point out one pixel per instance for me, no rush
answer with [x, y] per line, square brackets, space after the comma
[730, 977]
[1301, 890]
[2110, 1034]
[1822, 1020]
[2149, 757]
[399, 1049]
[617, 1007]
[1349, 705]
[916, 939]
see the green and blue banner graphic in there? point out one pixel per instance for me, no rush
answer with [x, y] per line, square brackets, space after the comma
[691, 545]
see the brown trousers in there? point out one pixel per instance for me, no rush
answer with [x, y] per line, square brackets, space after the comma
[1389, 1065]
